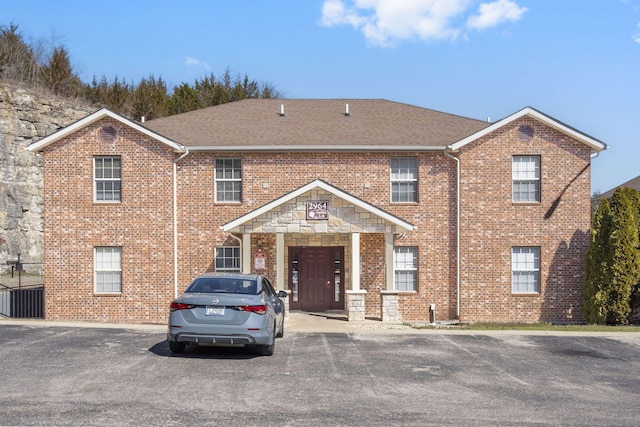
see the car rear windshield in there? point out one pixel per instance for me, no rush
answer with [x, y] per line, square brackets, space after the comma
[223, 285]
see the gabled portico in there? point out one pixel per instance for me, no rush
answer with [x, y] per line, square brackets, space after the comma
[318, 215]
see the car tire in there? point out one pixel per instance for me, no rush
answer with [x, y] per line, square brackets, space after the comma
[280, 333]
[268, 349]
[177, 347]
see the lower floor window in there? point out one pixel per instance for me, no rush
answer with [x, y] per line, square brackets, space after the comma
[108, 270]
[525, 270]
[228, 258]
[405, 267]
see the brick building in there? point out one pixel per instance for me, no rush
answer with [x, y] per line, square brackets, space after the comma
[372, 207]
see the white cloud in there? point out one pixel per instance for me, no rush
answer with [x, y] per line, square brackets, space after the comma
[636, 36]
[492, 14]
[386, 22]
[194, 62]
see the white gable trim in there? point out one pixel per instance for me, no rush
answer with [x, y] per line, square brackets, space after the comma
[595, 144]
[328, 188]
[100, 114]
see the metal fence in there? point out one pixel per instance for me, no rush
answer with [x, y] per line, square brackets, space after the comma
[22, 292]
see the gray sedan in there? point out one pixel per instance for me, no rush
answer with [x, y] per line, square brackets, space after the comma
[227, 309]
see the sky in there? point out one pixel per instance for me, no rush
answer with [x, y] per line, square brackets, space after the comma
[577, 61]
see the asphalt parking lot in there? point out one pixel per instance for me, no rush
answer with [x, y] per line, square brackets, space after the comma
[70, 375]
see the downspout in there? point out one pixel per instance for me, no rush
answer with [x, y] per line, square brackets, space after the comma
[457, 160]
[175, 223]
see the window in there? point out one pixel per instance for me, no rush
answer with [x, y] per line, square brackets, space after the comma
[108, 270]
[228, 180]
[107, 179]
[228, 258]
[405, 267]
[525, 270]
[404, 179]
[525, 173]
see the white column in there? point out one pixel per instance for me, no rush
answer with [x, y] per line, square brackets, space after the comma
[246, 253]
[388, 259]
[355, 261]
[280, 262]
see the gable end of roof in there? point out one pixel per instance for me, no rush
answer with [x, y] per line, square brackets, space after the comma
[595, 144]
[94, 117]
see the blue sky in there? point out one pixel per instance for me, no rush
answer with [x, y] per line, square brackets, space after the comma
[575, 60]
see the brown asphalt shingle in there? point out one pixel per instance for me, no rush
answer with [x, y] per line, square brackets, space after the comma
[632, 183]
[254, 123]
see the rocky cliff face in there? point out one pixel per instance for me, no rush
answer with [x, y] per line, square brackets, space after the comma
[25, 117]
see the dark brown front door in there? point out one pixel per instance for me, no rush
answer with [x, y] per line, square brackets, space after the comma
[315, 280]
[319, 278]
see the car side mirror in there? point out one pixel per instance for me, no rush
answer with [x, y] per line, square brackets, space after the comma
[282, 294]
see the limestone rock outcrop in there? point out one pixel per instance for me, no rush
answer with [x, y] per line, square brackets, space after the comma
[26, 116]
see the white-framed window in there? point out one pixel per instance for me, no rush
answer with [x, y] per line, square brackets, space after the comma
[228, 258]
[228, 179]
[525, 172]
[108, 269]
[404, 179]
[107, 178]
[405, 268]
[525, 270]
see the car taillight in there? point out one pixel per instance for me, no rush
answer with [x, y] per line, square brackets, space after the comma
[259, 309]
[180, 306]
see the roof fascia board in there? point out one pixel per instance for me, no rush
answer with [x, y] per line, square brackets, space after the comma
[314, 148]
[100, 114]
[528, 111]
[308, 187]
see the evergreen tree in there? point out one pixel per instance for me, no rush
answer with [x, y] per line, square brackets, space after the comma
[594, 308]
[150, 99]
[17, 59]
[613, 260]
[57, 74]
[183, 99]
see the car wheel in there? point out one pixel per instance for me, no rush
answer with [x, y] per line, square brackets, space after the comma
[280, 333]
[177, 347]
[268, 349]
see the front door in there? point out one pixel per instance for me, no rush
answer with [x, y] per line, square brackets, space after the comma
[316, 274]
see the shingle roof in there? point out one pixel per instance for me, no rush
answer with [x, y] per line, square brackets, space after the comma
[632, 183]
[315, 124]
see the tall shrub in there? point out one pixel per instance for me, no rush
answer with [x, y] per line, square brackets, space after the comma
[613, 259]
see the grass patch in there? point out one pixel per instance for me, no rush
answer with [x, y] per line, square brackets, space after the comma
[535, 327]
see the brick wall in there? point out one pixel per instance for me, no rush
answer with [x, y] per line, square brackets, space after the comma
[141, 224]
[492, 224]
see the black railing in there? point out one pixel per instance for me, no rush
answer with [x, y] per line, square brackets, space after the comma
[24, 302]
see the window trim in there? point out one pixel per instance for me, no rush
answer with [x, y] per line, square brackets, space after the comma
[537, 179]
[413, 269]
[95, 180]
[96, 289]
[535, 270]
[226, 180]
[393, 180]
[224, 257]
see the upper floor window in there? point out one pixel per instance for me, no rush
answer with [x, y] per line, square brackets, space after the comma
[228, 258]
[108, 270]
[525, 174]
[228, 180]
[525, 270]
[404, 179]
[405, 268]
[107, 179]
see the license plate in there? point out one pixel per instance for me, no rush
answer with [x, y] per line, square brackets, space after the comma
[214, 310]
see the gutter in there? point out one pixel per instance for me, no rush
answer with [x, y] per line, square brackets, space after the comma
[175, 222]
[457, 160]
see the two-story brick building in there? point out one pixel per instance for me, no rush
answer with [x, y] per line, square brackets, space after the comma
[373, 207]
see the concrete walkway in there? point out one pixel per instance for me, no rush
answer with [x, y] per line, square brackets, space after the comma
[329, 322]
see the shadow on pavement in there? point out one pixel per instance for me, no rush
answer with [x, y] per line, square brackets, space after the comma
[205, 352]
